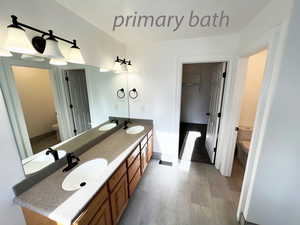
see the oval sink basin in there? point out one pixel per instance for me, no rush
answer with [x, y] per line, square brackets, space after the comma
[39, 161]
[135, 130]
[107, 126]
[84, 174]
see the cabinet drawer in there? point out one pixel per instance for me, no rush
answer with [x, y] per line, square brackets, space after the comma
[134, 167]
[103, 216]
[133, 155]
[134, 182]
[144, 141]
[115, 178]
[93, 207]
[144, 161]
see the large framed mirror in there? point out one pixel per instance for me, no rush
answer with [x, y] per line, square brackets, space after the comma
[50, 105]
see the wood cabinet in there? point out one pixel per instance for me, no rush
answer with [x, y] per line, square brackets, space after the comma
[108, 205]
[103, 216]
[144, 159]
[149, 148]
[119, 199]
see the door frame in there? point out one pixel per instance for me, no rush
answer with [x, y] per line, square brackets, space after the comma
[215, 57]
[13, 103]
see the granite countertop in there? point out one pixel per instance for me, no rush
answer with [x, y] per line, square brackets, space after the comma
[49, 199]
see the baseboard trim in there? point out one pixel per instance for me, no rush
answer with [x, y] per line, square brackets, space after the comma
[243, 221]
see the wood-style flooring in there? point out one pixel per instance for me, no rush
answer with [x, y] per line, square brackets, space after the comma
[188, 193]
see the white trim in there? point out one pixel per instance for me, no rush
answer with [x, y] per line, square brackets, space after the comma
[14, 106]
[209, 58]
[273, 44]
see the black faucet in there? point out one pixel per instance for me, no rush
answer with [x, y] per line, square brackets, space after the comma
[115, 121]
[126, 122]
[71, 164]
[53, 152]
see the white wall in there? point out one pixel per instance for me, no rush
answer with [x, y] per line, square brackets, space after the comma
[274, 197]
[29, 82]
[11, 171]
[159, 75]
[254, 78]
[195, 94]
[97, 48]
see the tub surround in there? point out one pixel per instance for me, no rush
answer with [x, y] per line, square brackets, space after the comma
[47, 197]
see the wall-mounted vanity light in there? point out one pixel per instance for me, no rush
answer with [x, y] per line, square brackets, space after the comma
[5, 53]
[122, 65]
[104, 70]
[47, 44]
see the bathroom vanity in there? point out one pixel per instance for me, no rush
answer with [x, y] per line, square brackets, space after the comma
[101, 203]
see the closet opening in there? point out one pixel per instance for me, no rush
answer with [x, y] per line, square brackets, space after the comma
[202, 93]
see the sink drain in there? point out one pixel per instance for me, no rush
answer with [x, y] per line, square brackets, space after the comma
[82, 184]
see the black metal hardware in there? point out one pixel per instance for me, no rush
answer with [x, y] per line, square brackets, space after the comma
[71, 164]
[237, 128]
[126, 122]
[133, 93]
[39, 43]
[215, 149]
[208, 114]
[219, 115]
[121, 93]
[53, 152]
[115, 121]
[224, 75]
[71, 105]
[123, 61]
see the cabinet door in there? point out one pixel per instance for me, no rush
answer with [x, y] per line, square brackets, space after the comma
[144, 161]
[150, 148]
[119, 199]
[103, 216]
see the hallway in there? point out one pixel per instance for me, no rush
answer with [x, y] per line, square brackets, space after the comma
[185, 194]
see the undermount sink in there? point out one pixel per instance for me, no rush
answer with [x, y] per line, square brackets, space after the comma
[84, 175]
[135, 130]
[107, 126]
[39, 161]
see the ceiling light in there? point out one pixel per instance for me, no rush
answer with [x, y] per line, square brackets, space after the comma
[52, 50]
[58, 61]
[5, 53]
[17, 40]
[75, 54]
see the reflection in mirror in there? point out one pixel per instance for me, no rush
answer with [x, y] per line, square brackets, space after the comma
[48, 106]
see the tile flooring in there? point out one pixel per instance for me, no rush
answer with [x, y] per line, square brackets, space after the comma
[185, 194]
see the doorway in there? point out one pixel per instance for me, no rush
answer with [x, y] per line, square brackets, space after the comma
[39, 109]
[78, 101]
[202, 93]
[251, 94]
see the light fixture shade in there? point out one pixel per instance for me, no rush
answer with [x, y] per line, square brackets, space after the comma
[52, 50]
[17, 41]
[117, 67]
[104, 70]
[124, 67]
[75, 56]
[5, 53]
[58, 61]
[32, 58]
